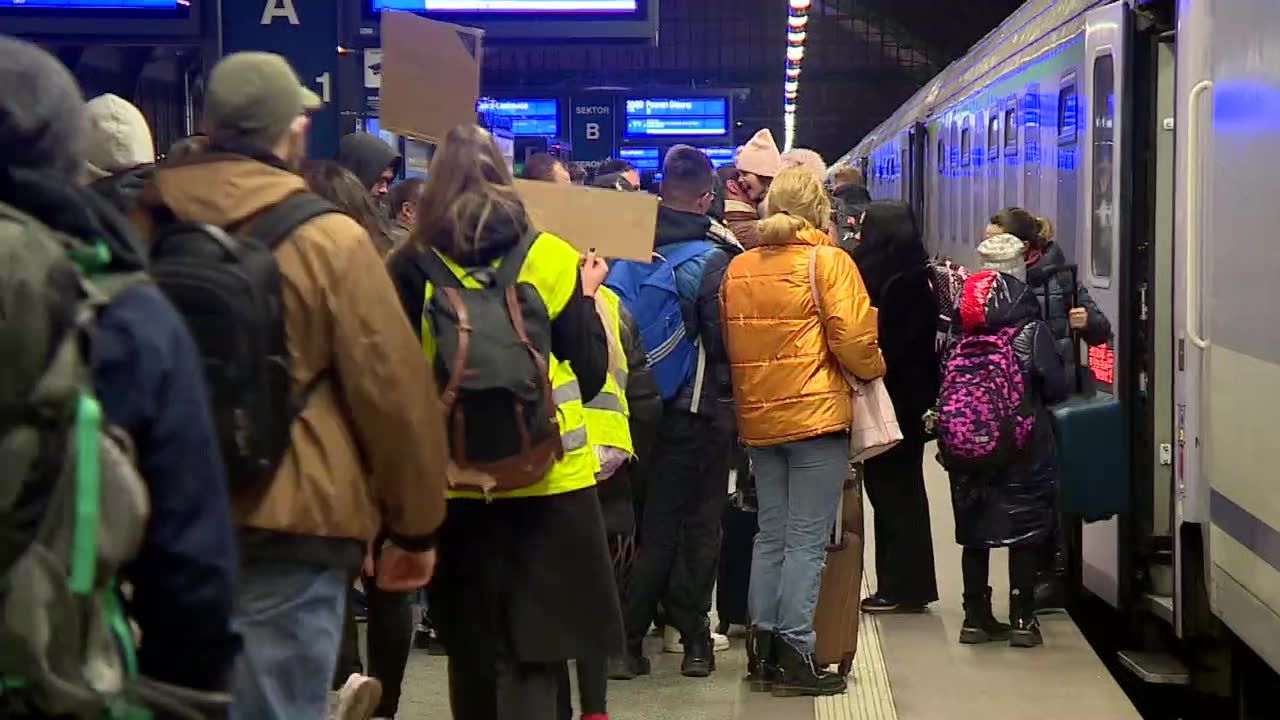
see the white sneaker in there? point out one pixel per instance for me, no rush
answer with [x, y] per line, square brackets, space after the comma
[358, 698]
[672, 644]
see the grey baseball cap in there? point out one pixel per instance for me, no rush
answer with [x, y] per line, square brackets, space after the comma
[253, 97]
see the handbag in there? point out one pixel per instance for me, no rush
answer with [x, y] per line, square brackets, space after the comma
[875, 428]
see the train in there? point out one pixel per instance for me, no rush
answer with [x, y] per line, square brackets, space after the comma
[1149, 132]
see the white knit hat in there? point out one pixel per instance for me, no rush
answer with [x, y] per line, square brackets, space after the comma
[760, 156]
[118, 136]
[1004, 253]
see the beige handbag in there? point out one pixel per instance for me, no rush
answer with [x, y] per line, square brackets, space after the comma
[875, 428]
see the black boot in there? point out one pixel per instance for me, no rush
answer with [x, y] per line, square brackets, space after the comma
[798, 673]
[1022, 616]
[699, 657]
[631, 664]
[762, 666]
[980, 626]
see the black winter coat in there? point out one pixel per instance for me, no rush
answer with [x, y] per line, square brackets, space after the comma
[908, 321]
[1015, 505]
[1053, 292]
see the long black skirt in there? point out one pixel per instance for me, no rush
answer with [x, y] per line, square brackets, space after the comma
[527, 579]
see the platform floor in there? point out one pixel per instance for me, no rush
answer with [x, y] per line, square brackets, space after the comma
[910, 667]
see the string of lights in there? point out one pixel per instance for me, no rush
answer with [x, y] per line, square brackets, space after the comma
[797, 34]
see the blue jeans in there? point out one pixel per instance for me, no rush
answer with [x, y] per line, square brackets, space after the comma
[798, 485]
[291, 618]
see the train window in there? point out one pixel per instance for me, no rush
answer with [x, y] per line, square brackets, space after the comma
[904, 166]
[966, 146]
[993, 135]
[1068, 110]
[1031, 147]
[1104, 218]
[1011, 130]
[941, 159]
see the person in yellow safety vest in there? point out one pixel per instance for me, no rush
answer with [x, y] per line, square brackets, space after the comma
[525, 582]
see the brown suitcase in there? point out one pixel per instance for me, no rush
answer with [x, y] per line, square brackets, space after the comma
[836, 619]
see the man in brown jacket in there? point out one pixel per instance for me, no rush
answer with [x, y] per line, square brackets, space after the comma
[368, 451]
[758, 162]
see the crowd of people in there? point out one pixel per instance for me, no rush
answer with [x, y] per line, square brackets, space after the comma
[466, 403]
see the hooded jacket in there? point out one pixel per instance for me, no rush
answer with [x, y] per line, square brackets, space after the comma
[789, 350]
[743, 219]
[367, 157]
[120, 152]
[698, 282]
[1052, 287]
[368, 448]
[147, 375]
[1016, 504]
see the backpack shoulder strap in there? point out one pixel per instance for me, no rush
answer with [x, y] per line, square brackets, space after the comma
[276, 224]
[509, 267]
[437, 272]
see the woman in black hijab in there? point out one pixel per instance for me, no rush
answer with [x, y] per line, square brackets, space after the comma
[894, 265]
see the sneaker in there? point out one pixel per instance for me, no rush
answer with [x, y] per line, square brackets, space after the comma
[673, 644]
[358, 698]
[628, 667]
[877, 605]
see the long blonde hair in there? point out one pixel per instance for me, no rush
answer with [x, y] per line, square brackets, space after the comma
[468, 187]
[796, 201]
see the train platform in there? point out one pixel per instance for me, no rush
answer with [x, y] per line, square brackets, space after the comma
[909, 667]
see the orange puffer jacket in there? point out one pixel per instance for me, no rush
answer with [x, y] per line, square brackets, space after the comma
[789, 353]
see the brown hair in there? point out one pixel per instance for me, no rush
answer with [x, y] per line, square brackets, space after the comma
[1021, 224]
[469, 186]
[542, 166]
[849, 175]
[339, 186]
[687, 175]
[796, 201]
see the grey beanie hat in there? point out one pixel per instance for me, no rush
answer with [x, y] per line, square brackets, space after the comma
[1004, 253]
[41, 111]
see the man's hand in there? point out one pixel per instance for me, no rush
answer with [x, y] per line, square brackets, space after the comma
[402, 571]
[1078, 318]
[594, 271]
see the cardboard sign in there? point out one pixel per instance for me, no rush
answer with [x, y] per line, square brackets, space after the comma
[430, 75]
[618, 225]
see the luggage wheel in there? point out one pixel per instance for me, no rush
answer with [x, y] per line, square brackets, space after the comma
[846, 665]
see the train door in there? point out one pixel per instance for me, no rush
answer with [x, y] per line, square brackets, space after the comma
[1104, 252]
[918, 174]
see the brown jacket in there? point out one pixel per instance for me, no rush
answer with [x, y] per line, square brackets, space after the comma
[789, 354]
[744, 220]
[368, 450]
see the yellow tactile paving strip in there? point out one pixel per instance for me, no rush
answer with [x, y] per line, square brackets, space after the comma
[869, 697]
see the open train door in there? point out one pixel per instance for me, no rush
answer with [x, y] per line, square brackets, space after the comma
[1102, 266]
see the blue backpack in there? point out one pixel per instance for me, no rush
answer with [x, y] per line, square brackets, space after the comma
[649, 292]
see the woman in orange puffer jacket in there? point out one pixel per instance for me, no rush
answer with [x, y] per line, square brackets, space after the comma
[798, 321]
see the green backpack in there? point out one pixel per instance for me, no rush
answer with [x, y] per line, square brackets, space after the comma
[73, 509]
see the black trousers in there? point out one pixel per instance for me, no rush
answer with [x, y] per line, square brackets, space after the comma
[503, 690]
[389, 635]
[593, 685]
[904, 542]
[1024, 562]
[680, 544]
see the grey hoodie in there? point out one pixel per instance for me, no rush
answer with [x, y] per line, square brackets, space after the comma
[367, 156]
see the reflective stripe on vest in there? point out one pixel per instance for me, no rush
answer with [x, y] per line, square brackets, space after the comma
[607, 412]
[552, 269]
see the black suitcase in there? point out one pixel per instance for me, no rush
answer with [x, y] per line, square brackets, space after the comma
[740, 527]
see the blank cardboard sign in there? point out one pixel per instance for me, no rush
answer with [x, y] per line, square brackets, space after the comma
[430, 75]
[618, 225]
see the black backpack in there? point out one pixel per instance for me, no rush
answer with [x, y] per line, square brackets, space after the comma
[228, 288]
[492, 350]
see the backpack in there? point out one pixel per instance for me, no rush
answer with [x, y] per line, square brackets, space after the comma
[649, 292]
[984, 418]
[492, 346]
[73, 509]
[229, 290]
[947, 282]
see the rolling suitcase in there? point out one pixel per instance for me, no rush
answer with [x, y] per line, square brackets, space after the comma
[739, 528]
[1089, 431]
[836, 619]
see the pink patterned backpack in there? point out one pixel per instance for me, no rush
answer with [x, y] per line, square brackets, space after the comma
[984, 417]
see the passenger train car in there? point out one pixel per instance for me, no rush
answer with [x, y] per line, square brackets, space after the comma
[1149, 132]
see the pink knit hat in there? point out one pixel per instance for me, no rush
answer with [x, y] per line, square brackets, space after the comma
[760, 156]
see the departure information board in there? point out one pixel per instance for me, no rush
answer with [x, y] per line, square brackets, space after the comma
[529, 117]
[128, 19]
[509, 6]
[677, 117]
[720, 156]
[96, 4]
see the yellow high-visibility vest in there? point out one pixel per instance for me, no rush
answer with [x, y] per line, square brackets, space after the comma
[607, 413]
[551, 267]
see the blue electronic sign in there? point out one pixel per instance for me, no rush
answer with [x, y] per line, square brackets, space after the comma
[509, 6]
[643, 158]
[720, 156]
[96, 4]
[529, 118]
[678, 117]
